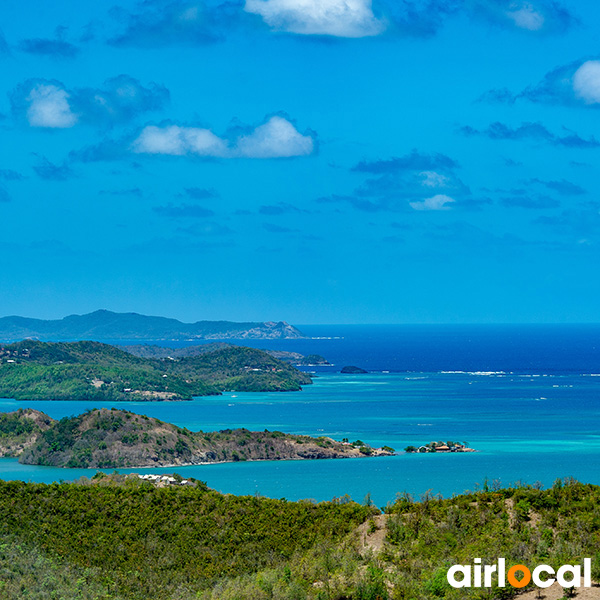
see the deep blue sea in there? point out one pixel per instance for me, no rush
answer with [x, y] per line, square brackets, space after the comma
[526, 397]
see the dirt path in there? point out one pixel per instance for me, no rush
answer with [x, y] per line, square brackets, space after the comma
[373, 540]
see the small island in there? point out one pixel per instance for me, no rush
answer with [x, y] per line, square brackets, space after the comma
[109, 439]
[352, 370]
[439, 447]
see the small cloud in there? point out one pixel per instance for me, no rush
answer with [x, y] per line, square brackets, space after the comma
[201, 193]
[428, 180]
[338, 18]
[473, 204]
[437, 202]
[277, 138]
[179, 141]
[586, 82]
[193, 211]
[51, 172]
[4, 195]
[105, 150]
[434, 179]
[537, 16]
[415, 161]
[526, 17]
[417, 18]
[574, 84]
[275, 210]
[498, 96]
[4, 49]
[55, 48]
[573, 222]
[119, 100]
[563, 187]
[511, 162]
[156, 23]
[532, 202]
[10, 175]
[531, 131]
[46, 103]
[278, 229]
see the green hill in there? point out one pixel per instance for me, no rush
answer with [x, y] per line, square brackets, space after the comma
[33, 370]
[114, 438]
[121, 538]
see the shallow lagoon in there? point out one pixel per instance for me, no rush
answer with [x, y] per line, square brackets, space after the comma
[526, 427]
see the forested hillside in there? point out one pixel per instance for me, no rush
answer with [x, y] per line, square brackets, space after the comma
[32, 370]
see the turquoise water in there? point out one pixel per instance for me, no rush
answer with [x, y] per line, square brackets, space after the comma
[531, 428]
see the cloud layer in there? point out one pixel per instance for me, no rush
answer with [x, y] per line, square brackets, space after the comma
[535, 132]
[50, 104]
[153, 23]
[171, 23]
[527, 15]
[573, 84]
[340, 18]
[277, 138]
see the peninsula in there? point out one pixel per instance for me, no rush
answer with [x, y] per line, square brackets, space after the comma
[107, 325]
[107, 439]
[33, 370]
[154, 351]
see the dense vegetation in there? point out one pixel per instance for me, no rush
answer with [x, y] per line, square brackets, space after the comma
[32, 370]
[524, 524]
[439, 446]
[241, 369]
[352, 370]
[20, 430]
[128, 539]
[116, 438]
[124, 539]
[162, 352]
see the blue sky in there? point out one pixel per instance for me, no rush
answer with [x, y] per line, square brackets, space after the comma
[318, 161]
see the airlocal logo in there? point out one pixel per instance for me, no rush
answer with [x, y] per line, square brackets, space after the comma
[543, 576]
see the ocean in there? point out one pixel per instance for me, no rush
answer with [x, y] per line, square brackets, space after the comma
[526, 397]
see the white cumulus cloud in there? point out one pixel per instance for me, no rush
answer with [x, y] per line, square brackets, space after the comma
[340, 18]
[177, 140]
[586, 82]
[277, 138]
[434, 179]
[48, 106]
[526, 17]
[437, 202]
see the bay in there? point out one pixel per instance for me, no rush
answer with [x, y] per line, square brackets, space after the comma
[526, 427]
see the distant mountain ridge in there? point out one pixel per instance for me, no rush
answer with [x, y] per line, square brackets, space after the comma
[107, 325]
